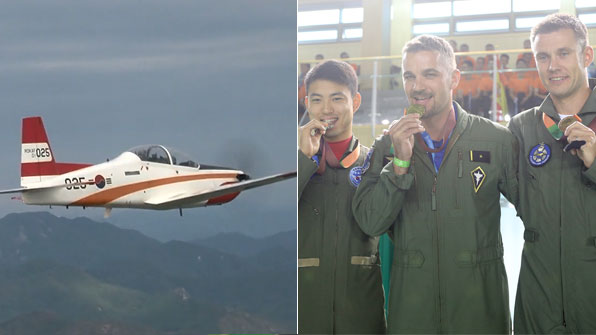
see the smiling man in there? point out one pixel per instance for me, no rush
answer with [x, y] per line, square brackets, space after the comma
[556, 291]
[435, 183]
[339, 278]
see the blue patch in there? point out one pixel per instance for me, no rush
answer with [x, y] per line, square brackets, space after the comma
[366, 164]
[356, 175]
[539, 155]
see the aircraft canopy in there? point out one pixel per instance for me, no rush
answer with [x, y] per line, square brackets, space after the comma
[164, 155]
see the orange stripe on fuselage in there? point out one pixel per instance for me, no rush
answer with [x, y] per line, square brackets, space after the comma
[106, 196]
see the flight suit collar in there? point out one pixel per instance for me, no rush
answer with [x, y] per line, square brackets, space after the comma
[349, 158]
[353, 145]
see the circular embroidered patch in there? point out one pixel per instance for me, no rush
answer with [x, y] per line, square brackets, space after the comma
[539, 155]
[356, 175]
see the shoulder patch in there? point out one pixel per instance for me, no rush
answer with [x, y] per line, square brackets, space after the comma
[539, 154]
[356, 175]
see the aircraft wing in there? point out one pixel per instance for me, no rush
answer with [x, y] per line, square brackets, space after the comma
[190, 197]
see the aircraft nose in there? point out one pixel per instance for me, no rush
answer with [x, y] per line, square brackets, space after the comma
[242, 177]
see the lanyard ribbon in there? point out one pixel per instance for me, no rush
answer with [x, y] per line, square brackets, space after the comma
[327, 157]
[554, 130]
[447, 129]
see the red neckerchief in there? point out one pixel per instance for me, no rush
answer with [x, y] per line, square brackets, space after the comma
[338, 148]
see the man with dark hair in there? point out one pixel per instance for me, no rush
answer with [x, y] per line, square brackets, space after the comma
[435, 181]
[344, 55]
[466, 92]
[462, 58]
[504, 61]
[556, 291]
[528, 57]
[339, 277]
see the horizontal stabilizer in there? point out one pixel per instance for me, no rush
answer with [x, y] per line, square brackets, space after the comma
[14, 190]
[28, 189]
[199, 196]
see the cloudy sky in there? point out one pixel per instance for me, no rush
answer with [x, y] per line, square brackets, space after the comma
[215, 79]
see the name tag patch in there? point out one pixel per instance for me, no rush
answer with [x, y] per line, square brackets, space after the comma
[480, 156]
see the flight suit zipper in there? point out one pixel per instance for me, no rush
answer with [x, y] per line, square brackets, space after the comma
[450, 145]
[562, 249]
[452, 140]
[434, 208]
[335, 183]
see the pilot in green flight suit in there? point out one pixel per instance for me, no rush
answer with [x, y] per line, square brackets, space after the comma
[339, 277]
[435, 182]
[556, 290]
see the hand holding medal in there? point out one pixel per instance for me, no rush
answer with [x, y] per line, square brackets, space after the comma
[563, 125]
[582, 141]
[402, 136]
[309, 137]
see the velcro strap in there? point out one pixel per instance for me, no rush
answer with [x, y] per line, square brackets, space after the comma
[307, 262]
[410, 258]
[364, 260]
[530, 235]
[469, 257]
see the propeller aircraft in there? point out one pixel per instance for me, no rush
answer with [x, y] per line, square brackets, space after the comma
[145, 177]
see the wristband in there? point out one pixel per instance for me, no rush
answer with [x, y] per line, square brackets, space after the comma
[400, 163]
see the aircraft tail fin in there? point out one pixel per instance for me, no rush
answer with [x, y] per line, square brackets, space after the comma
[37, 158]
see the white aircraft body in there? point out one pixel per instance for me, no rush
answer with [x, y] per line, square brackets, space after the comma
[146, 177]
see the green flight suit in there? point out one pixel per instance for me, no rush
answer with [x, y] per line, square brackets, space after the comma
[339, 276]
[556, 292]
[448, 274]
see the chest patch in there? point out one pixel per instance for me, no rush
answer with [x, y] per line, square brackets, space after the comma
[478, 177]
[480, 156]
[539, 154]
[356, 175]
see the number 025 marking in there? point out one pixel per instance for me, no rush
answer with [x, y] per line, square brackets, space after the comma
[75, 180]
[42, 152]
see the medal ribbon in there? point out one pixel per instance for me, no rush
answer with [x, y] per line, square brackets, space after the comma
[447, 129]
[554, 130]
[552, 127]
[327, 157]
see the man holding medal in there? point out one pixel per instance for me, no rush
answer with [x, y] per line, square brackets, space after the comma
[556, 291]
[339, 277]
[434, 183]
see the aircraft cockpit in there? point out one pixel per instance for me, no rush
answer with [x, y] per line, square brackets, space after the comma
[163, 155]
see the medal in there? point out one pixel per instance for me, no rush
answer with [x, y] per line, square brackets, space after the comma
[566, 122]
[415, 108]
[563, 125]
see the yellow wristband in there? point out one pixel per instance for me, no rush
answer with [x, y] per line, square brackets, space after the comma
[400, 163]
